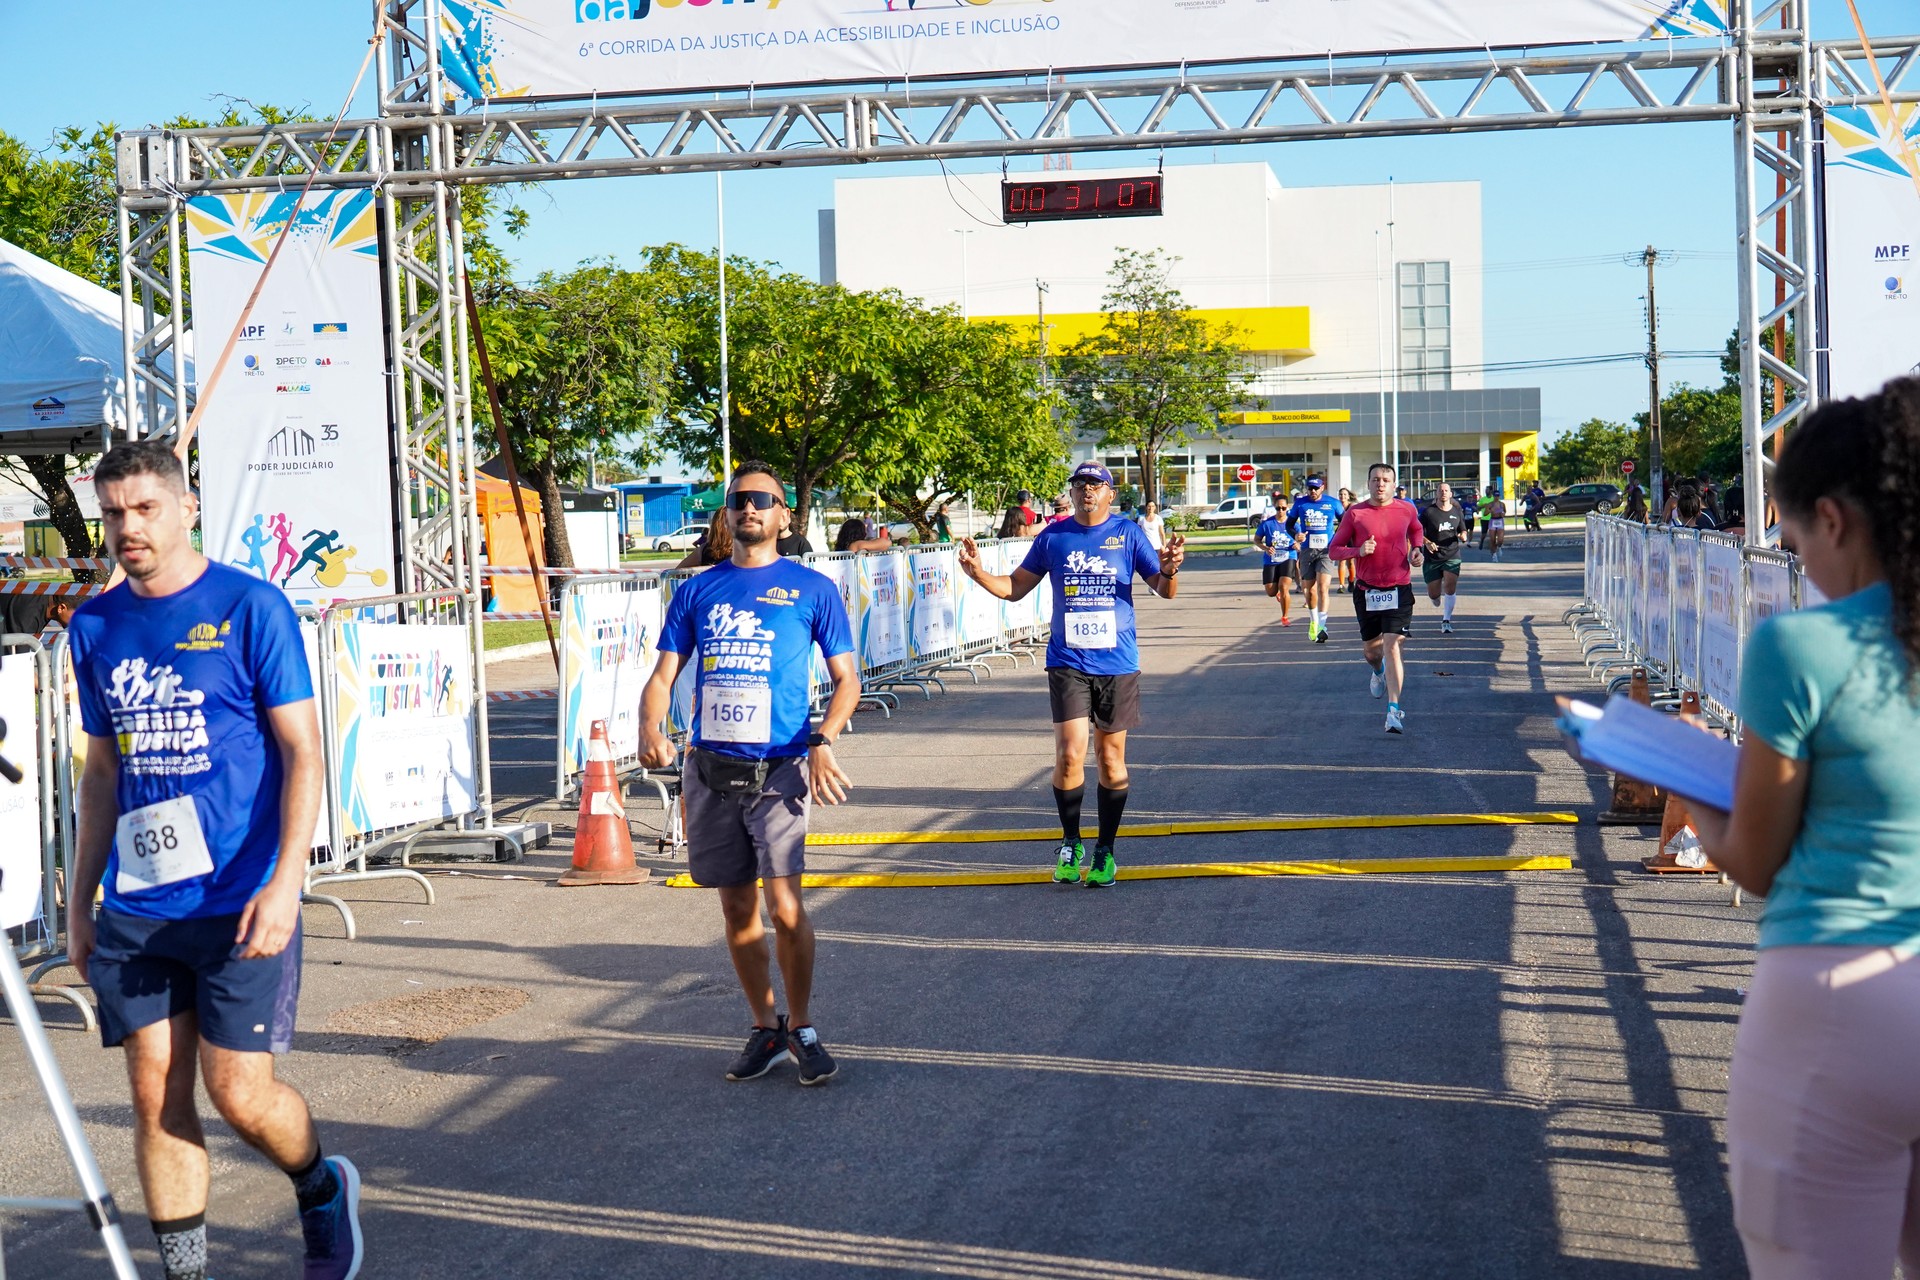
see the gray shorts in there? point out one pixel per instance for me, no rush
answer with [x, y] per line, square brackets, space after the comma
[1316, 564]
[732, 840]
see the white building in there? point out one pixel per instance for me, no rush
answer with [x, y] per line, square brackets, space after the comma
[1305, 275]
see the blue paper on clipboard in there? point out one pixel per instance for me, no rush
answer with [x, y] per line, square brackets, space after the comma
[1644, 744]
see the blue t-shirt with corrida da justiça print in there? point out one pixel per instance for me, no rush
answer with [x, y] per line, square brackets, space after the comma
[750, 635]
[1091, 568]
[182, 684]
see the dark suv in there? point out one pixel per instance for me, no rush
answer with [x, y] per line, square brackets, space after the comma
[1579, 499]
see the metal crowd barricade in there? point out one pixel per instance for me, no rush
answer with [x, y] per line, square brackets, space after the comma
[589, 651]
[351, 844]
[43, 938]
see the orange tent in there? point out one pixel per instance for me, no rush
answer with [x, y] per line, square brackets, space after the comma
[503, 545]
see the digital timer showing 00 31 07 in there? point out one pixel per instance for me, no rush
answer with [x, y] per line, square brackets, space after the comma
[1060, 199]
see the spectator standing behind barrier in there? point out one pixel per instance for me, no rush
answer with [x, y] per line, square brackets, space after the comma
[1823, 1103]
[1733, 509]
[754, 765]
[715, 545]
[1687, 511]
[853, 537]
[1021, 520]
[1636, 508]
[1154, 525]
[27, 615]
[1062, 510]
[942, 527]
[196, 816]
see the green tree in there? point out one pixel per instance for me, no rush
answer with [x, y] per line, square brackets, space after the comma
[579, 362]
[1154, 372]
[1593, 450]
[978, 422]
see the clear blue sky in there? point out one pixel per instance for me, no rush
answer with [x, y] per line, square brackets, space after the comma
[1547, 196]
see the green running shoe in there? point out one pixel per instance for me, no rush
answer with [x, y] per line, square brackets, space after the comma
[1101, 873]
[1067, 863]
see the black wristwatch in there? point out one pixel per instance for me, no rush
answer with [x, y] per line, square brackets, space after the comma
[818, 739]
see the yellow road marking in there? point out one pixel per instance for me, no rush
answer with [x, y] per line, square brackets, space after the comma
[820, 839]
[1176, 871]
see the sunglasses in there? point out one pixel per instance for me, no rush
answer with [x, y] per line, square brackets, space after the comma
[758, 499]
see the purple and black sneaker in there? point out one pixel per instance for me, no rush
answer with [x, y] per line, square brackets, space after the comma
[332, 1230]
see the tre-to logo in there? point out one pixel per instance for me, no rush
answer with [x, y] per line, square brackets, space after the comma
[1892, 252]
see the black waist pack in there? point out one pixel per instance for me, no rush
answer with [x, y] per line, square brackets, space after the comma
[731, 777]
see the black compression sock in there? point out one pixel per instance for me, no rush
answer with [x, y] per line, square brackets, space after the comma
[316, 1184]
[183, 1247]
[1069, 803]
[1111, 804]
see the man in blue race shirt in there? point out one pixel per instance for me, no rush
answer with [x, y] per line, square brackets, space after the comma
[196, 814]
[1312, 522]
[754, 764]
[1280, 565]
[1093, 660]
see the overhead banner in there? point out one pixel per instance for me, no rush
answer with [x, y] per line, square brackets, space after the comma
[296, 473]
[576, 48]
[1872, 271]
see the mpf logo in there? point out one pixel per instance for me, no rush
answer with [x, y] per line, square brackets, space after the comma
[1892, 252]
[253, 332]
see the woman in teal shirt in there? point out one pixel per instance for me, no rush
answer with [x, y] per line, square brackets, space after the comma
[1823, 1104]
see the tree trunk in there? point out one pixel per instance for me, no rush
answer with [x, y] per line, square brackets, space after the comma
[802, 501]
[49, 471]
[1149, 476]
[558, 551]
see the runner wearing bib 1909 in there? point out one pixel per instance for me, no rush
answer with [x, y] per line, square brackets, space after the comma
[1280, 564]
[1314, 517]
[754, 764]
[1382, 537]
[197, 806]
[1093, 661]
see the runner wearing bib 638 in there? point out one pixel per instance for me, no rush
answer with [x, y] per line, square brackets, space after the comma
[1093, 662]
[196, 815]
[1382, 536]
[754, 764]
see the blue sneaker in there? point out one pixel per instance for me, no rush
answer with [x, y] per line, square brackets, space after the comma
[334, 1247]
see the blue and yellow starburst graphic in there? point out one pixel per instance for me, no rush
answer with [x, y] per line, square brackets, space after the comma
[1873, 138]
[245, 226]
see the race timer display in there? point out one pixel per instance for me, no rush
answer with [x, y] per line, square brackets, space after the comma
[1060, 199]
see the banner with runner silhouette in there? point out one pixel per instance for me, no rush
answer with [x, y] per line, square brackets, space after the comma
[296, 471]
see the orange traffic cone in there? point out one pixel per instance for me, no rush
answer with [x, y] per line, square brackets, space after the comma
[1635, 803]
[602, 845]
[1675, 819]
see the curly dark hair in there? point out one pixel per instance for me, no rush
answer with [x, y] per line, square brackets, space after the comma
[1866, 453]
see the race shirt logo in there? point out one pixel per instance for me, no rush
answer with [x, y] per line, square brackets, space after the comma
[1086, 562]
[736, 642]
[157, 721]
[204, 637]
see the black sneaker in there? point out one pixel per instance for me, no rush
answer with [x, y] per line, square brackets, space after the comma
[1322, 637]
[816, 1064]
[766, 1049]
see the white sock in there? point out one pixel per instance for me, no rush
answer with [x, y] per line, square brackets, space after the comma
[1446, 608]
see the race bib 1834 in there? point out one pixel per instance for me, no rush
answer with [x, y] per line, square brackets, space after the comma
[1091, 629]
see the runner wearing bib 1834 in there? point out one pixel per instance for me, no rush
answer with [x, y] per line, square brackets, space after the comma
[196, 815]
[1093, 662]
[1314, 517]
[1382, 537]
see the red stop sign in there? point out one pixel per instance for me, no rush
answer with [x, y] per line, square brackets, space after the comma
[1246, 473]
[1626, 468]
[1515, 458]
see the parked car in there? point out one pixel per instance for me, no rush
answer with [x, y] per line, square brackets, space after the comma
[1237, 513]
[681, 539]
[1579, 499]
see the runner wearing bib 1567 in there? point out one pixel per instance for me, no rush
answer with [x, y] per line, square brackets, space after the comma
[754, 764]
[1314, 517]
[1382, 537]
[1093, 661]
[196, 815]
[1280, 563]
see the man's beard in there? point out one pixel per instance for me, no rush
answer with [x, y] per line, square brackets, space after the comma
[754, 537]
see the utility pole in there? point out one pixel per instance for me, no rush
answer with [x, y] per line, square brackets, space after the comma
[1656, 472]
[1040, 310]
[726, 399]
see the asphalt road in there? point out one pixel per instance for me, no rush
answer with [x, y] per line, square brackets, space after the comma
[1441, 1075]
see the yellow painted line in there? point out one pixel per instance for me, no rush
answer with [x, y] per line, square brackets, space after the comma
[1177, 871]
[819, 839]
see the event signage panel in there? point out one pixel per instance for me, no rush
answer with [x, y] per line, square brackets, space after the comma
[496, 49]
[20, 835]
[296, 472]
[1064, 199]
[612, 640]
[1872, 266]
[404, 723]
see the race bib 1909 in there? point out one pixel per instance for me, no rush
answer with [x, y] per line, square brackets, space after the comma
[1091, 629]
[160, 844]
[1379, 601]
[736, 713]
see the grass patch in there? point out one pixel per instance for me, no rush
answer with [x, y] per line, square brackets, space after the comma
[500, 635]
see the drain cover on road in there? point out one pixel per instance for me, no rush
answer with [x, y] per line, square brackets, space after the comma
[425, 1017]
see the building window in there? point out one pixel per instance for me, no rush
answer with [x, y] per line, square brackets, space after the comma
[1426, 326]
[1422, 470]
[1271, 471]
[1174, 471]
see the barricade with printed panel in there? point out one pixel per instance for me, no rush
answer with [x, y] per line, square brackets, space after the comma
[1720, 624]
[610, 641]
[933, 630]
[1686, 608]
[27, 843]
[1657, 617]
[403, 718]
[1636, 552]
[1769, 586]
[882, 621]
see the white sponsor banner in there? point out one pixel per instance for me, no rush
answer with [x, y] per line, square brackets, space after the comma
[296, 479]
[1686, 609]
[577, 48]
[883, 618]
[845, 577]
[1659, 646]
[611, 639]
[20, 838]
[1769, 590]
[405, 724]
[933, 625]
[980, 610]
[1720, 630]
[1872, 267]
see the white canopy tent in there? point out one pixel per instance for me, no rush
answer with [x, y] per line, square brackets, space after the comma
[62, 365]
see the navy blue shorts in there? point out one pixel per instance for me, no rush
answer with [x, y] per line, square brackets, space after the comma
[146, 971]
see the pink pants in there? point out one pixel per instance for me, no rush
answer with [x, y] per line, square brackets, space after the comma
[1823, 1114]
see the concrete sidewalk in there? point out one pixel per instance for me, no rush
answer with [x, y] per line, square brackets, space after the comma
[1450, 1075]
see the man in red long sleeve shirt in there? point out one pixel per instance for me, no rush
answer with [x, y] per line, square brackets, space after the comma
[1382, 537]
